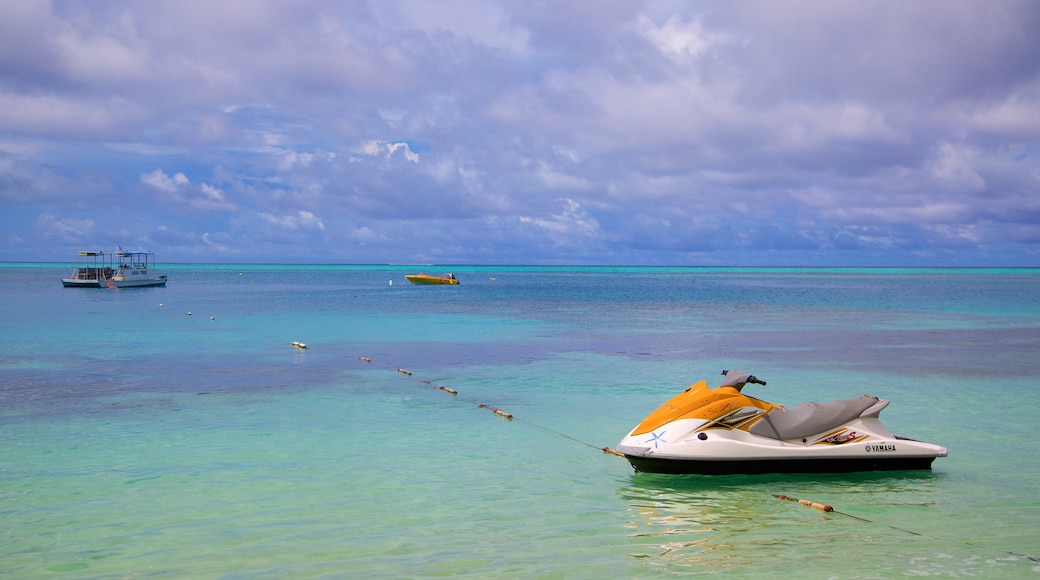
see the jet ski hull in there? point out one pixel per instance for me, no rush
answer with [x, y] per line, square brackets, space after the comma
[760, 466]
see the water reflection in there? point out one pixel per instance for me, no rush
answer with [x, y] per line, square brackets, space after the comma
[715, 523]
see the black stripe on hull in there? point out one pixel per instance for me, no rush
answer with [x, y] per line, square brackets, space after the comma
[758, 466]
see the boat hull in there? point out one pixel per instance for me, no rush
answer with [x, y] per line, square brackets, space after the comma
[74, 283]
[138, 282]
[423, 280]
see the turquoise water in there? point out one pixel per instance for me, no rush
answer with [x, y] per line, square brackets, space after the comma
[139, 440]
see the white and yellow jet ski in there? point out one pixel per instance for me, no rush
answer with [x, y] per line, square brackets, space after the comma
[723, 431]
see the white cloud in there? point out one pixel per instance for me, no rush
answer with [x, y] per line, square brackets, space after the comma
[572, 220]
[179, 191]
[383, 148]
[72, 230]
[675, 38]
[557, 180]
[300, 220]
[97, 54]
[365, 235]
[159, 180]
[215, 246]
[952, 166]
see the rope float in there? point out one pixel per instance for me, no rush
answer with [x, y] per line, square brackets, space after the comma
[500, 412]
[818, 506]
[830, 509]
[441, 387]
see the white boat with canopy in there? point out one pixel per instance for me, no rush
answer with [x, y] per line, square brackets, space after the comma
[93, 270]
[136, 269]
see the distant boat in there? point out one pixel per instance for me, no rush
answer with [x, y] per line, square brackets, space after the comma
[135, 270]
[421, 278]
[114, 270]
[93, 270]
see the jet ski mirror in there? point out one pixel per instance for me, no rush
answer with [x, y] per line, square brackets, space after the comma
[738, 379]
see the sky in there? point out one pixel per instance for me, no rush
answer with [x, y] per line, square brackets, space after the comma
[598, 132]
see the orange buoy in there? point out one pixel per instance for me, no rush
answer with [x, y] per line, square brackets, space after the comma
[447, 390]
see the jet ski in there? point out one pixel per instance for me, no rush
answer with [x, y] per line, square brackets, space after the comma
[723, 431]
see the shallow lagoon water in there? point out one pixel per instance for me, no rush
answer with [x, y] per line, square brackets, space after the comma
[139, 440]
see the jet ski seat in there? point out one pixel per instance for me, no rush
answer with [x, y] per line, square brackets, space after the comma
[812, 418]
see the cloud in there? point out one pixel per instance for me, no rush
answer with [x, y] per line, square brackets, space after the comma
[366, 235]
[68, 230]
[676, 38]
[379, 148]
[572, 221]
[952, 167]
[648, 131]
[300, 220]
[159, 180]
[179, 191]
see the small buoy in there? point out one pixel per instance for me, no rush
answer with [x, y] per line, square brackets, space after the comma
[298, 344]
[391, 282]
[189, 313]
[212, 318]
[240, 273]
[161, 305]
[365, 358]
[447, 390]
[404, 372]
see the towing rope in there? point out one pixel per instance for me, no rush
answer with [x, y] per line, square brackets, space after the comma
[496, 410]
[827, 508]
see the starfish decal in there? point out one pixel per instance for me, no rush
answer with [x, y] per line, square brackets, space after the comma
[655, 439]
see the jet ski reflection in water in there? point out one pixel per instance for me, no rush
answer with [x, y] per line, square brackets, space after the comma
[723, 431]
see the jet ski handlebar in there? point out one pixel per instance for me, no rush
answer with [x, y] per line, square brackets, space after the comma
[738, 379]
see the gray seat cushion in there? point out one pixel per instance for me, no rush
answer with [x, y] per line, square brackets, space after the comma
[810, 418]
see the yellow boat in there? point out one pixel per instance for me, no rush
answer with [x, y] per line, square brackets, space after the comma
[421, 278]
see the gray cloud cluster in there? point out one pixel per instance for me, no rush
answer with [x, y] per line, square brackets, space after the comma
[807, 132]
